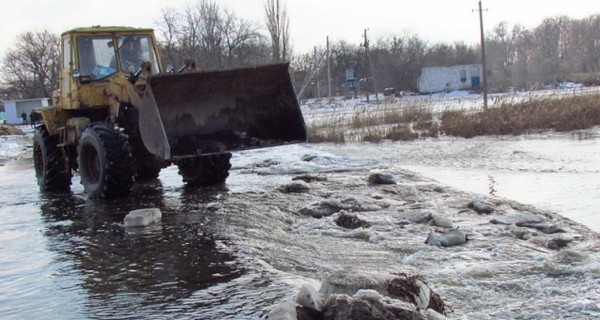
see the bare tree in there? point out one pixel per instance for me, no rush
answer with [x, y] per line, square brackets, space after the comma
[190, 36]
[31, 67]
[501, 56]
[397, 62]
[169, 30]
[409, 53]
[591, 56]
[444, 54]
[211, 35]
[584, 46]
[210, 15]
[550, 39]
[278, 24]
[523, 45]
[310, 67]
[241, 40]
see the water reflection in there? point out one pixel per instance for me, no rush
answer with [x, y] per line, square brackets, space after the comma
[138, 271]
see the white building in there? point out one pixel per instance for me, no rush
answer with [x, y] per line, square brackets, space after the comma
[445, 79]
[14, 108]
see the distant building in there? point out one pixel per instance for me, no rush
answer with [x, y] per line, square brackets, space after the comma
[14, 108]
[444, 79]
[351, 84]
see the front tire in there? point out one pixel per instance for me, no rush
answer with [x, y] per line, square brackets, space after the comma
[147, 166]
[147, 172]
[206, 170]
[50, 166]
[105, 162]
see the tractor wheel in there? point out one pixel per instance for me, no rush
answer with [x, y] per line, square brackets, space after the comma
[50, 166]
[146, 165]
[105, 162]
[206, 170]
[147, 172]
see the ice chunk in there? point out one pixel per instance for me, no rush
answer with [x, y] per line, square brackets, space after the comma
[367, 294]
[284, 311]
[350, 281]
[310, 298]
[142, 217]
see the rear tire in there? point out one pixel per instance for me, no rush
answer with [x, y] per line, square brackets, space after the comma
[50, 166]
[206, 170]
[105, 162]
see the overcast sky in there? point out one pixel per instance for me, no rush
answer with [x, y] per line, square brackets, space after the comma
[310, 20]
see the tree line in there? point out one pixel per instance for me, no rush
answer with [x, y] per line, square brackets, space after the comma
[558, 49]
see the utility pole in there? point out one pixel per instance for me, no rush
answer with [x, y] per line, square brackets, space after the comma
[367, 64]
[318, 85]
[328, 71]
[484, 86]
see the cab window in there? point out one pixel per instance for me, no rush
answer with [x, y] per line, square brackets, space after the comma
[135, 49]
[96, 56]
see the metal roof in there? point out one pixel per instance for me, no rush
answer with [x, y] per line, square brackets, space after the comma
[106, 29]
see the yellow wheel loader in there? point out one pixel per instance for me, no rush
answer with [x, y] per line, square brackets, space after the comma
[118, 117]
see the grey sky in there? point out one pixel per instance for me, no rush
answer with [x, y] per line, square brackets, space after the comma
[311, 20]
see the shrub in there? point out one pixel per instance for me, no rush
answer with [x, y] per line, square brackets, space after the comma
[401, 133]
[515, 118]
[375, 123]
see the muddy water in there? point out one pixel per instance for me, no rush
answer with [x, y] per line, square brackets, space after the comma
[64, 256]
[233, 252]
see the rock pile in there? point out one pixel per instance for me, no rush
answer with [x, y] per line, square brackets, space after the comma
[424, 225]
[351, 295]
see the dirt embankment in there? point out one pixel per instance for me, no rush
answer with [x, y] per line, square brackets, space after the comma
[7, 130]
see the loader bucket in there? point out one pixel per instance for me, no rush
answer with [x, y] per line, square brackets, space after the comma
[191, 114]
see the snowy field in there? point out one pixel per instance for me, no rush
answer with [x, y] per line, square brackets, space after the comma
[317, 109]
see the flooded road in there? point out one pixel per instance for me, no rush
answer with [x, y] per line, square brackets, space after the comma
[235, 251]
[63, 254]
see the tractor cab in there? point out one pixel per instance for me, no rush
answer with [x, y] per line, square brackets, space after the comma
[103, 55]
[100, 64]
